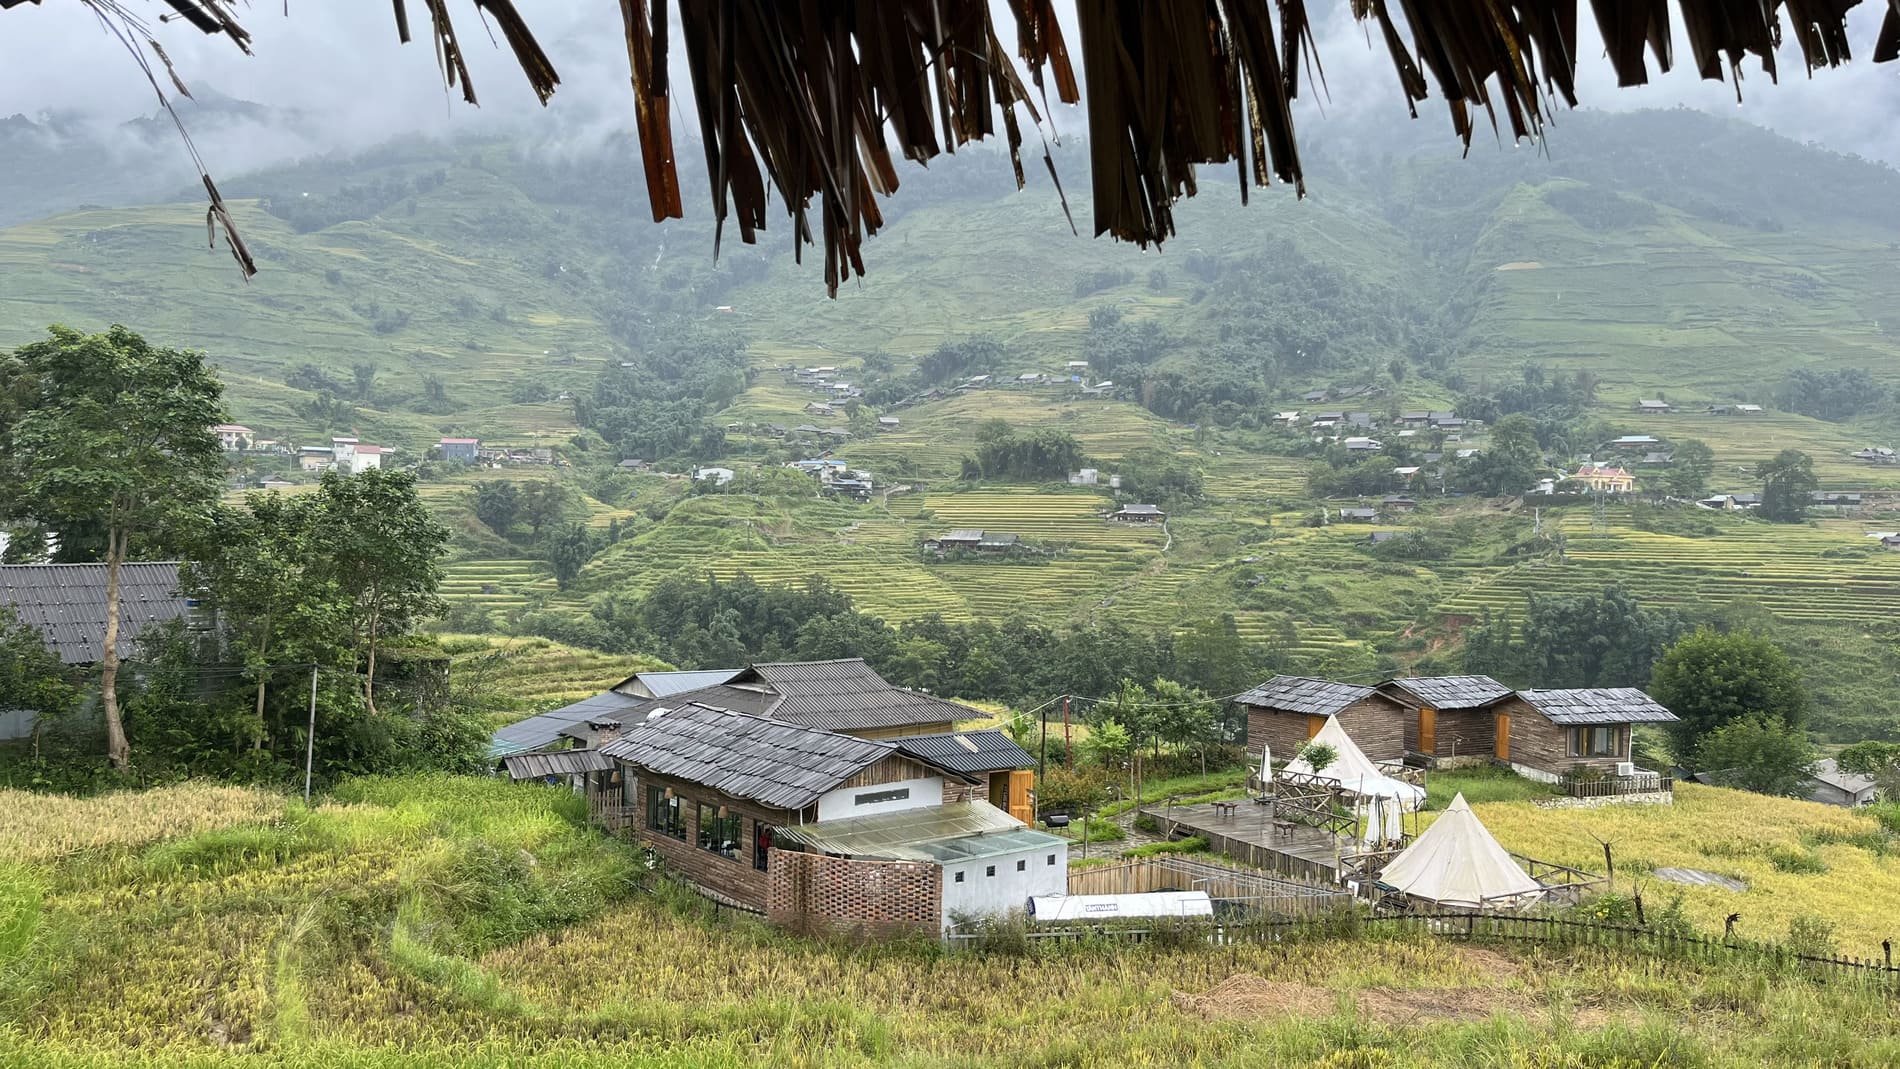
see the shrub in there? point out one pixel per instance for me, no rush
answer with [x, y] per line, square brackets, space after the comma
[1796, 862]
[1193, 844]
[1812, 935]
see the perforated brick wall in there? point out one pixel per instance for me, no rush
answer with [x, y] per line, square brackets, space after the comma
[812, 892]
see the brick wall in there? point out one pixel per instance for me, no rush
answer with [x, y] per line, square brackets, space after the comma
[735, 878]
[815, 893]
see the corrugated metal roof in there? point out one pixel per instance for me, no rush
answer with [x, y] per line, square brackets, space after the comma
[545, 729]
[785, 766]
[1598, 705]
[1299, 694]
[846, 695]
[667, 684]
[955, 832]
[967, 751]
[559, 763]
[1453, 692]
[66, 604]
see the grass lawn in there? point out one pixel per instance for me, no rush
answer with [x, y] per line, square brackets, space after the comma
[1484, 783]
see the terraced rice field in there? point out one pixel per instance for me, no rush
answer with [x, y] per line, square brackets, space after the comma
[497, 585]
[1247, 478]
[534, 673]
[936, 437]
[1822, 572]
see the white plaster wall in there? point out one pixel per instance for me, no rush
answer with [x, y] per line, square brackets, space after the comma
[980, 894]
[841, 803]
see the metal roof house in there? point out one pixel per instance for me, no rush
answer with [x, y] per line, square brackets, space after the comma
[1138, 514]
[1828, 785]
[816, 829]
[668, 684]
[66, 604]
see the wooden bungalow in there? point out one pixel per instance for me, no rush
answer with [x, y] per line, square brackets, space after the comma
[1451, 719]
[1586, 729]
[1286, 711]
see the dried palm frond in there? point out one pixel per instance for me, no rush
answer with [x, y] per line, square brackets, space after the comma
[816, 98]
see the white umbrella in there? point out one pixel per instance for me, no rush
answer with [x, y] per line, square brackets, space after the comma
[1394, 820]
[1373, 838]
[1266, 768]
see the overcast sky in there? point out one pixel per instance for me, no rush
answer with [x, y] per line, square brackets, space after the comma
[338, 62]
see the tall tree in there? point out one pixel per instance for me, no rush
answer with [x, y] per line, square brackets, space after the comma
[31, 677]
[1787, 485]
[1759, 753]
[261, 567]
[1511, 460]
[1710, 679]
[384, 553]
[116, 432]
[1689, 469]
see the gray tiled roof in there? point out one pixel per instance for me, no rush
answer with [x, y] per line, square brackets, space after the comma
[846, 695]
[546, 729]
[1453, 692]
[967, 751]
[559, 763]
[1598, 705]
[1298, 694]
[785, 766]
[667, 684]
[66, 604]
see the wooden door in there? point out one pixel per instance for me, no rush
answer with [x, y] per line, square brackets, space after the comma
[1313, 725]
[1427, 730]
[1504, 737]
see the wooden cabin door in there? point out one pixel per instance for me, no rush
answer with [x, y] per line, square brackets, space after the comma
[1427, 730]
[1313, 725]
[1503, 750]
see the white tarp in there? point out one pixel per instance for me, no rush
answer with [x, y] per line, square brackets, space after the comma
[1456, 862]
[1354, 771]
[1048, 908]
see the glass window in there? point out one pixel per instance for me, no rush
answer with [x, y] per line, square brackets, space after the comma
[1052, 859]
[1595, 742]
[719, 834]
[989, 870]
[629, 788]
[761, 842]
[1022, 865]
[875, 797]
[959, 878]
[664, 815]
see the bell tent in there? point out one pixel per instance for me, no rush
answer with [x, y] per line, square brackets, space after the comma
[1456, 862]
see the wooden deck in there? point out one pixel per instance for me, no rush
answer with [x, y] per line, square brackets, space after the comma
[1247, 835]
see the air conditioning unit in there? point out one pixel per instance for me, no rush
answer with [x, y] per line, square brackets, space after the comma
[1625, 769]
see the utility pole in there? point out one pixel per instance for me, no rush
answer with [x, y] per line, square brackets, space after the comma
[1068, 747]
[310, 737]
[1042, 761]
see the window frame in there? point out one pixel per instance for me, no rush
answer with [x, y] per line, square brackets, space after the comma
[707, 824]
[762, 844]
[1583, 737]
[665, 816]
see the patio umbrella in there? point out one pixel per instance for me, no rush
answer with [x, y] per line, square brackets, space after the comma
[1374, 837]
[1266, 768]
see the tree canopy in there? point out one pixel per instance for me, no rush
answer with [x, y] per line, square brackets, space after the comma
[1788, 484]
[1710, 679]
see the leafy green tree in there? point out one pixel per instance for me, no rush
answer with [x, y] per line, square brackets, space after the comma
[1320, 756]
[384, 556]
[1511, 460]
[1759, 752]
[31, 676]
[568, 549]
[1213, 656]
[1690, 467]
[262, 568]
[1592, 640]
[1881, 760]
[113, 431]
[1710, 679]
[1184, 717]
[498, 505]
[547, 503]
[1787, 485]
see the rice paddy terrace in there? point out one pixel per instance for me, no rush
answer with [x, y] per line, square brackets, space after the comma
[1823, 571]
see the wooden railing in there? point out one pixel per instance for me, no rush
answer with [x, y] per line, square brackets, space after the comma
[1248, 889]
[1615, 786]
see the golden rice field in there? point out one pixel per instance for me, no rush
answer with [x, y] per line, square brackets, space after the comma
[439, 921]
[1795, 856]
[527, 673]
[42, 827]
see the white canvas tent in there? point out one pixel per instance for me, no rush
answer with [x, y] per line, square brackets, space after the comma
[1354, 771]
[1456, 862]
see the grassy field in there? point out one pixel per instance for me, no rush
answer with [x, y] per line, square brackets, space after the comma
[468, 922]
[523, 675]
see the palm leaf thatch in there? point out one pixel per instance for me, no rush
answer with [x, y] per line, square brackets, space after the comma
[817, 99]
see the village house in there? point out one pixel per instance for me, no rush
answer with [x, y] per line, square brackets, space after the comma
[887, 423]
[1838, 500]
[233, 437]
[973, 540]
[820, 408]
[1406, 472]
[715, 476]
[464, 450]
[315, 458]
[1084, 477]
[1879, 454]
[1657, 460]
[816, 829]
[66, 604]
[1314, 397]
[1634, 441]
[353, 457]
[1558, 731]
[1451, 720]
[1289, 418]
[1379, 538]
[633, 465]
[1138, 514]
[1397, 503]
[1286, 711]
[1604, 478]
[1748, 410]
[1828, 785]
[1654, 407]
[1358, 515]
[1363, 445]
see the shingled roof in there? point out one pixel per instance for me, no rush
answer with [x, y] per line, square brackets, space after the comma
[1598, 705]
[967, 751]
[1299, 694]
[66, 604]
[1452, 692]
[785, 766]
[546, 729]
[844, 695]
[559, 763]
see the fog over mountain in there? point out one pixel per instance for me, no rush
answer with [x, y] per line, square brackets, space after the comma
[333, 78]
